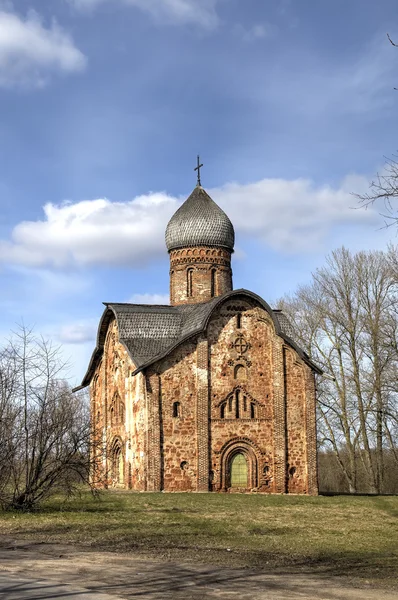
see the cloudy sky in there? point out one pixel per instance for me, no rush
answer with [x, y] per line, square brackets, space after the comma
[104, 105]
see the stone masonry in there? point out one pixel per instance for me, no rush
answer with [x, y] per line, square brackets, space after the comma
[210, 393]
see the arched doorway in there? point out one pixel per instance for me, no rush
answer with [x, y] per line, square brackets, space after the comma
[239, 465]
[238, 471]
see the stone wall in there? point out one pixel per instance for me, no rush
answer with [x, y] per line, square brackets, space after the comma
[239, 389]
[119, 417]
[176, 443]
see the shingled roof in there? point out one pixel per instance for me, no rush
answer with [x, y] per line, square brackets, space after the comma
[151, 332]
[199, 221]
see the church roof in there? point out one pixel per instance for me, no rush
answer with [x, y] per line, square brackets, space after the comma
[151, 332]
[199, 222]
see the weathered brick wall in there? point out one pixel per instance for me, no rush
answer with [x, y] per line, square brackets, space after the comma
[238, 388]
[240, 336]
[117, 403]
[201, 285]
[297, 477]
[311, 440]
[176, 444]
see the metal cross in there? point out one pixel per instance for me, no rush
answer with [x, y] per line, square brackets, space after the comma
[198, 170]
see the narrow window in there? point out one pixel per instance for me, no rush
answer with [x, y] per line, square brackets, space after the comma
[244, 403]
[189, 282]
[237, 403]
[213, 283]
[222, 411]
[230, 404]
[238, 321]
[252, 411]
[176, 409]
[172, 285]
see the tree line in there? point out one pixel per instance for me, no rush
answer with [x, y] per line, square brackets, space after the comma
[44, 427]
[346, 320]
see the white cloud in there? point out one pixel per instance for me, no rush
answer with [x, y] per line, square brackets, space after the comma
[150, 299]
[292, 216]
[77, 333]
[92, 232]
[30, 52]
[288, 216]
[179, 12]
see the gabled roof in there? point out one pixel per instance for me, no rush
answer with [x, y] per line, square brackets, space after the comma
[151, 332]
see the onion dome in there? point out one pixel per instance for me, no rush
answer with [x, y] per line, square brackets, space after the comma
[199, 222]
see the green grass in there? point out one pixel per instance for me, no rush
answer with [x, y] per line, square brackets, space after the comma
[347, 536]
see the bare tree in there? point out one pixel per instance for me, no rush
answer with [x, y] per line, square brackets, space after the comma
[347, 319]
[44, 428]
[384, 188]
[384, 192]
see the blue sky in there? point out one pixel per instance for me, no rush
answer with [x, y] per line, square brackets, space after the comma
[104, 105]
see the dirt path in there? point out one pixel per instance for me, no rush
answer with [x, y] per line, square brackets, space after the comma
[127, 576]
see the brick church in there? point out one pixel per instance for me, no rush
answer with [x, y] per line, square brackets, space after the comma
[209, 393]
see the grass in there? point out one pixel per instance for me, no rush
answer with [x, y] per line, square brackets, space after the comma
[355, 537]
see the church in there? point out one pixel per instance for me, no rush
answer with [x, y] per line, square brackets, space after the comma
[210, 393]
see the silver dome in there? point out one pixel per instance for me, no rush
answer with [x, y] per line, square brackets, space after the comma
[199, 222]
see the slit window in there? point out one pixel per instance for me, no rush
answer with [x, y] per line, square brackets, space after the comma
[222, 411]
[176, 409]
[189, 283]
[213, 283]
[239, 321]
[237, 404]
[252, 411]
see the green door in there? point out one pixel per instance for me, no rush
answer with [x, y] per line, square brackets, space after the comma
[239, 471]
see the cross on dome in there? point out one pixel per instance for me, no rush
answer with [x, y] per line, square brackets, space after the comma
[198, 170]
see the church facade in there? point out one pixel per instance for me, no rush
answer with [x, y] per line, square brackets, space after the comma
[209, 393]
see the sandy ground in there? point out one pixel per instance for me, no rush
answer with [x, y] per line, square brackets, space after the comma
[127, 576]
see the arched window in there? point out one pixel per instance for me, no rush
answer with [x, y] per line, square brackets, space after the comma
[240, 372]
[172, 285]
[222, 411]
[112, 414]
[117, 463]
[213, 283]
[189, 283]
[238, 321]
[176, 409]
[252, 410]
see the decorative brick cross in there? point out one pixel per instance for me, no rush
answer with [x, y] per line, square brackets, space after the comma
[241, 346]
